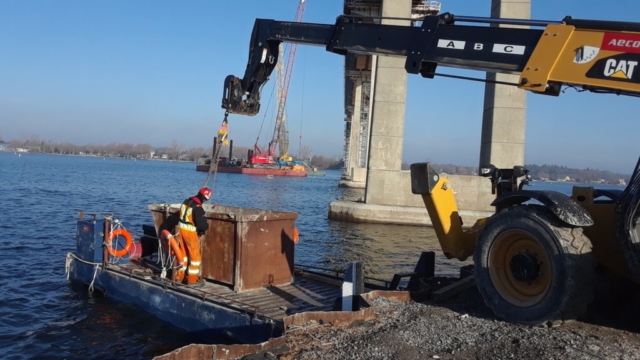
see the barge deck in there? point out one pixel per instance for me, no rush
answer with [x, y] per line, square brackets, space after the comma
[247, 317]
[250, 281]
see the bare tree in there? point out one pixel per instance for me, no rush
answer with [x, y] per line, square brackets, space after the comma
[194, 154]
[240, 152]
[16, 144]
[305, 152]
[323, 162]
[161, 151]
[31, 139]
[176, 148]
[143, 151]
[127, 149]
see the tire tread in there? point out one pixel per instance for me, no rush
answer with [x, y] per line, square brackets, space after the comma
[577, 249]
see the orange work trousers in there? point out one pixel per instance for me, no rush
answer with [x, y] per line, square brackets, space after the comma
[190, 241]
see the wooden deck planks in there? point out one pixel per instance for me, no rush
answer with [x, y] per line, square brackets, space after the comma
[304, 294]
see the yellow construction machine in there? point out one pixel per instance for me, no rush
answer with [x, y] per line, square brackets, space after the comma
[535, 257]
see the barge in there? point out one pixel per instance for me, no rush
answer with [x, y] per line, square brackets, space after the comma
[251, 284]
[255, 170]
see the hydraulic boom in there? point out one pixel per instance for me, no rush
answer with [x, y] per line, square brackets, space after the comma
[599, 56]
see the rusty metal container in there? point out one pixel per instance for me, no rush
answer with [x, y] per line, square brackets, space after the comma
[245, 248]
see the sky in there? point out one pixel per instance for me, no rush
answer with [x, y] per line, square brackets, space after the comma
[152, 71]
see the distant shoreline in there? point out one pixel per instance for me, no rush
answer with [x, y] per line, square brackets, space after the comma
[573, 183]
[101, 156]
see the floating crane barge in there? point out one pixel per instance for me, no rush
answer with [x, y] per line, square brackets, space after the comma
[255, 170]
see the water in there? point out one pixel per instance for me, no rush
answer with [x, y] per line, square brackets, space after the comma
[43, 316]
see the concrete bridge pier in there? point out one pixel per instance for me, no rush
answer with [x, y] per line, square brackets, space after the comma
[387, 120]
[388, 197]
[505, 107]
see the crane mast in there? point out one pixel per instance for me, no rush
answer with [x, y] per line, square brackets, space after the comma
[280, 135]
[280, 130]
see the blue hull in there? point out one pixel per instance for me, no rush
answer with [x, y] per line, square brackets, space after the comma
[184, 308]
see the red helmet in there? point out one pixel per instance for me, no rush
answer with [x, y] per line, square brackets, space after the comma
[206, 193]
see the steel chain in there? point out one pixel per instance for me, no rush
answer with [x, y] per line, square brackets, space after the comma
[215, 154]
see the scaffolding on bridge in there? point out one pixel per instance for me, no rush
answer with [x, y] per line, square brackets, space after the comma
[360, 71]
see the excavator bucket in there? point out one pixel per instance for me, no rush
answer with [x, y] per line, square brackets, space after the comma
[629, 227]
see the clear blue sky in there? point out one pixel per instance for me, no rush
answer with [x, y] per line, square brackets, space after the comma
[151, 71]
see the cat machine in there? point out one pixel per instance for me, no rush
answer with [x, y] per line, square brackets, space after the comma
[535, 257]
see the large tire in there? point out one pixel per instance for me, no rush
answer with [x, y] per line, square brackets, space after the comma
[629, 237]
[533, 269]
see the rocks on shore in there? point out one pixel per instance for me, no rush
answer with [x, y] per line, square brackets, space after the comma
[460, 328]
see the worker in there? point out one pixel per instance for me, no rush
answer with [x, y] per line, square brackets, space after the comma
[192, 225]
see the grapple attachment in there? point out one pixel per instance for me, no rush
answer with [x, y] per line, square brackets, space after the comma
[234, 99]
[242, 95]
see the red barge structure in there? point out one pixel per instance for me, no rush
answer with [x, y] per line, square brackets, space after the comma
[237, 167]
[255, 171]
[257, 164]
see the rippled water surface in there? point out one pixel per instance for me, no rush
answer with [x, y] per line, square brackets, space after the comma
[43, 316]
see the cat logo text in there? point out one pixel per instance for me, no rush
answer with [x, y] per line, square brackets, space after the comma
[621, 69]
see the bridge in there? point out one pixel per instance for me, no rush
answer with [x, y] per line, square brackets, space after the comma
[374, 125]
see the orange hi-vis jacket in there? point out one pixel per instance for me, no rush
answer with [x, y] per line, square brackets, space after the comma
[192, 222]
[192, 216]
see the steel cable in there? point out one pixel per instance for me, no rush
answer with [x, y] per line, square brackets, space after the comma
[215, 153]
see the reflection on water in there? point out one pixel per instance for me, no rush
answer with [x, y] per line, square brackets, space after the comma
[384, 249]
[41, 316]
[349, 194]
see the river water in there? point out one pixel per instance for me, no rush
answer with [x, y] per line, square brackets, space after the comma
[42, 316]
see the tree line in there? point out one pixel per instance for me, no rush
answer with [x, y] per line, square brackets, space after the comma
[557, 172]
[176, 152]
[546, 173]
[179, 152]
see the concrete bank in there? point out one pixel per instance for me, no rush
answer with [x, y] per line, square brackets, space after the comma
[401, 215]
[395, 204]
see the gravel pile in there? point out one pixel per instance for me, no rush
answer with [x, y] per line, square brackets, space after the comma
[460, 328]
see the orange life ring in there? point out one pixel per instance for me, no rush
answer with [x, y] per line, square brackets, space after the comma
[166, 235]
[296, 235]
[115, 233]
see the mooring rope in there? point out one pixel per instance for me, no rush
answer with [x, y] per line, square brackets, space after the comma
[72, 255]
[67, 268]
[95, 273]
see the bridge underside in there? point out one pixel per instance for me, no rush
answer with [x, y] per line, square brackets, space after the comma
[374, 130]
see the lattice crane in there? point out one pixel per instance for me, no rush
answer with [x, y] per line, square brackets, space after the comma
[280, 134]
